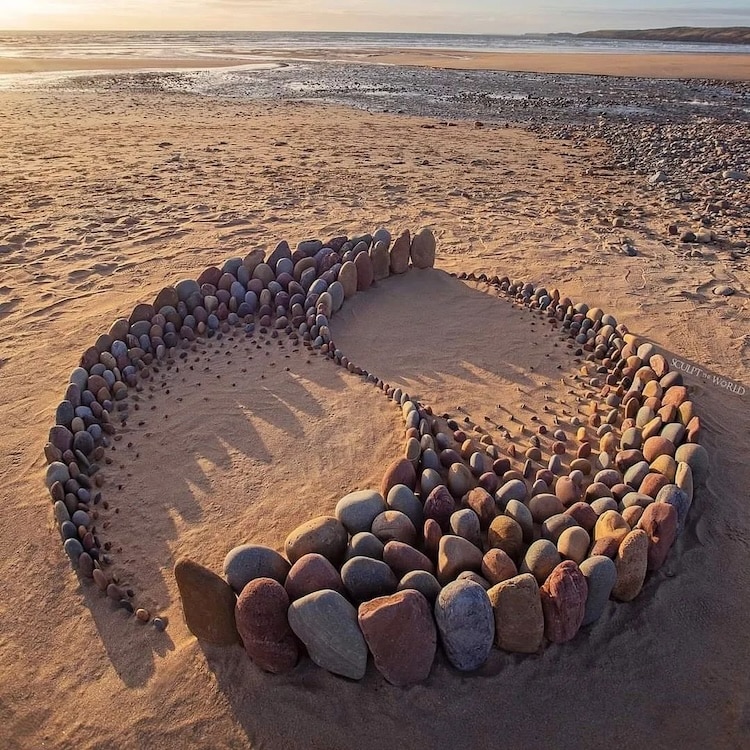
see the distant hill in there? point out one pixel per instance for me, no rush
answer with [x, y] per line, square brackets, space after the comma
[728, 35]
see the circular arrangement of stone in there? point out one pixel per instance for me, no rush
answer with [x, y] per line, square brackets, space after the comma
[456, 546]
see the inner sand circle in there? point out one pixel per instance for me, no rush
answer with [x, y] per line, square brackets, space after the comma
[411, 331]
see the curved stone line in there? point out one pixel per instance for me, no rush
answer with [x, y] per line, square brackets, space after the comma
[307, 288]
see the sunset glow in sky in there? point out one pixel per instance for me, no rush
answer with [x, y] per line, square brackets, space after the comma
[468, 16]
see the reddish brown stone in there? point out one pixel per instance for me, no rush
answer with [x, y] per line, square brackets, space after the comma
[657, 446]
[401, 635]
[607, 547]
[401, 471]
[652, 483]
[584, 515]
[440, 506]
[497, 566]
[210, 275]
[483, 504]
[567, 490]
[564, 596]
[659, 521]
[432, 535]
[261, 617]
[312, 572]
[403, 558]
[675, 395]
[365, 275]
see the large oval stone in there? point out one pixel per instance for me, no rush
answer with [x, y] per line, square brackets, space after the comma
[365, 275]
[348, 279]
[207, 603]
[248, 561]
[696, 456]
[327, 624]
[659, 521]
[541, 558]
[466, 624]
[261, 618]
[358, 510]
[423, 249]
[631, 563]
[403, 499]
[365, 578]
[506, 534]
[519, 620]
[455, 555]
[601, 575]
[312, 572]
[673, 495]
[400, 471]
[422, 581]
[325, 535]
[401, 635]
[564, 595]
[403, 558]
[439, 506]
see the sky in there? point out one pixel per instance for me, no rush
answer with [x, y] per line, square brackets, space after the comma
[466, 16]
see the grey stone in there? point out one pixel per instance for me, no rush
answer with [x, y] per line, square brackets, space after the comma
[365, 578]
[358, 510]
[600, 573]
[249, 561]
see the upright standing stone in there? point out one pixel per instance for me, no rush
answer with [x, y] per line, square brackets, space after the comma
[327, 624]
[400, 253]
[564, 596]
[519, 620]
[423, 249]
[659, 521]
[466, 624]
[401, 635]
[601, 575]
[207, 602]
[631, 563]
[365, 276]
[381, 261]
[261, 617]
[348, 279]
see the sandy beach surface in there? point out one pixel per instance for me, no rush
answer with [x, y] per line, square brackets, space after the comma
[107, 197]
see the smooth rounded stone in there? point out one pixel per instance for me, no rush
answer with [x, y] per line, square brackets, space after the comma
[61, 512]
[186, 288]
[465, 523]
[364, 544]
[657, 446]
[683, 478]
[86, 565]
[429, 481]
[207, 602]
[430, 460]
[439, 506]
[403, 499]
[348, 279]
[381, 261]
[595, 491]
[365, 578]
[470, 575]
[460, 479]
[400, 471]
[651, 484]
[84, 442]
[64, 413]
[674, 433]
[392, 525]
[564, 596]
[600, 573]
[68, 531]
[611, 524]
[365, 274]
[476, 464]
[631, 563]
[522, 516]
[358, 510]
[249, 561]
[455, 555]
[400, 253]
[81, 518]
[336, 290]
[540, 560]
[482, 504]
[488, 482]
[421, 581]
[73, 549]
[573, 544]
[554, 526]
[607, 546]
[666, 466]
[545, 506]
[694, 455]
[514, 489]
[264, 273]
[632, 515]
[327, 624]
[466, 624]
[584, 515]
[497, 566]
[567, 491]
[401, 635]
[660, 522]
[431, 534]
[673, 495]
[422, 250]
[506, 534]
[381, 235]
[517, 610]
[603, 504]
[56, 472]
[403, 558]
[636, 498]
[325, 535]
[261, 620]
[311, 572]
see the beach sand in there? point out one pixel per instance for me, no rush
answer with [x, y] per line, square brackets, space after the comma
[105, 198]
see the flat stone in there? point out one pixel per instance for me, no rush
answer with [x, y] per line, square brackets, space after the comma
[564, 595]
[261, 619]
[465, 523]
[401, 635]
[325, 535]
[248, 561]
[312, 572]
[483, 505]
[600, 573]
[466, 624]
[327, 624]
[207, 602]
[365, 275]
[517, 609]
[696, 457]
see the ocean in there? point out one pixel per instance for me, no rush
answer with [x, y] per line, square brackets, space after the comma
[252, 44]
